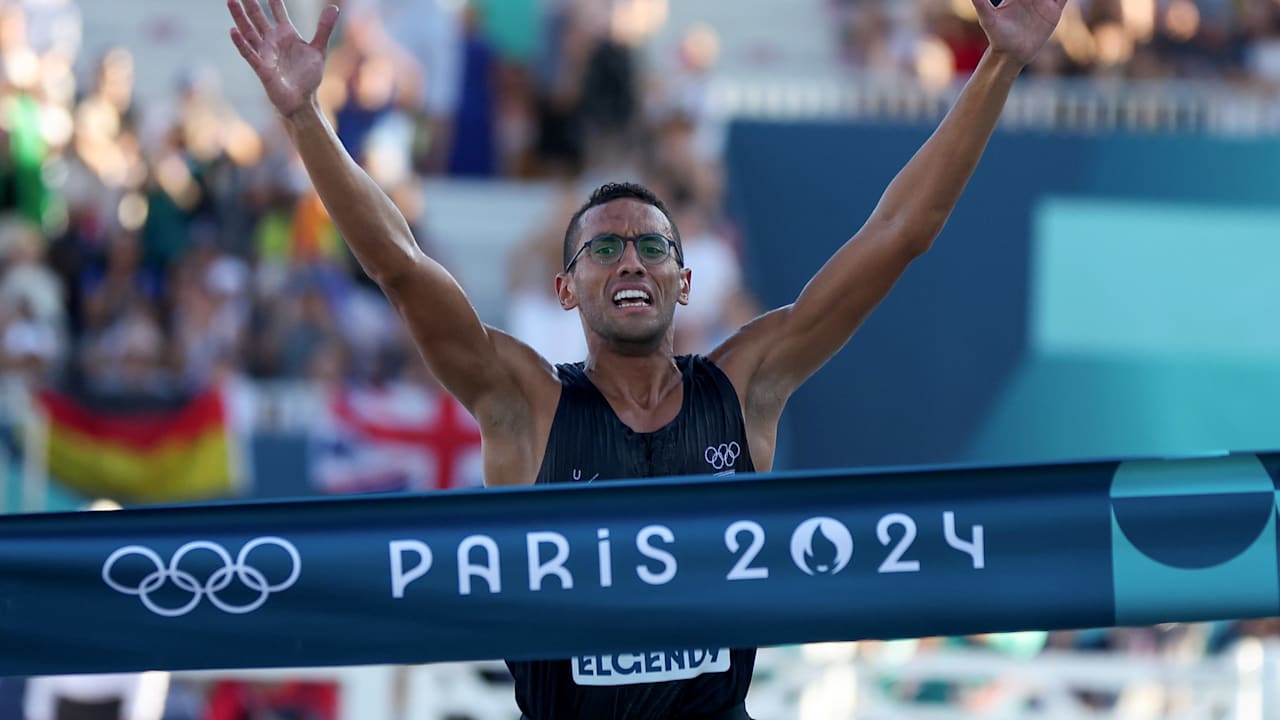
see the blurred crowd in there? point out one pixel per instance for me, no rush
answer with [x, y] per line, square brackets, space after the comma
[153, 249]
[1190, 670]
[148, 249]
[1219, 40]
[1129, 693]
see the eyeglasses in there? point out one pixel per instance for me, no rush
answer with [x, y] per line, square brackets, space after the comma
[653, 249]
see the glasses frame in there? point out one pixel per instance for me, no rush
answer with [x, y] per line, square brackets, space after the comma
[673, 250]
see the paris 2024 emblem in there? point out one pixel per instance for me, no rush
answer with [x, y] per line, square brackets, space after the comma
[1182, 530]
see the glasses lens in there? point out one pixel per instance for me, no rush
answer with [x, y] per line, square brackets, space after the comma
[607, 249]
[652, 249]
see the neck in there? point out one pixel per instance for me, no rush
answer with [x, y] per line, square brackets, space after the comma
[639, 380]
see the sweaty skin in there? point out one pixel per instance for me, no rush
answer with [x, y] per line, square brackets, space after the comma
[509, 388]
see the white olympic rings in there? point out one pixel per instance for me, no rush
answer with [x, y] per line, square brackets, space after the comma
[723, 455]
[217, 582]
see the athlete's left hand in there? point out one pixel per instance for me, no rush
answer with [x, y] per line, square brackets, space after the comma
[1019, 28]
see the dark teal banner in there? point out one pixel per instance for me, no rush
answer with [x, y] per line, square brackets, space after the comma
[670, 569]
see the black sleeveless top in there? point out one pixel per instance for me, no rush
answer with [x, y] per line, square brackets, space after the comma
[708, 436]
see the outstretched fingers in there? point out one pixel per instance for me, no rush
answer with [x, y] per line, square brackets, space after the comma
[244, 29]
[257, 15]
[246, 50]
[281, 14]
[324, 28]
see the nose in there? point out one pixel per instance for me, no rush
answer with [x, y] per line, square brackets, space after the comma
[630, 261]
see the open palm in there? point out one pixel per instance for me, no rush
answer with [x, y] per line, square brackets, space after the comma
[289, 67]
[1019, 28]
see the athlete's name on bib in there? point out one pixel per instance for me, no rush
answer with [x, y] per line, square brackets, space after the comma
[659, 666]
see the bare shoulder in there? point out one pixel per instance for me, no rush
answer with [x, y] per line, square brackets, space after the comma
[534, 381]
[516, 412]
[741, 356]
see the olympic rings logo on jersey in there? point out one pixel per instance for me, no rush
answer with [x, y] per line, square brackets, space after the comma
[217, 582]
[723, 455]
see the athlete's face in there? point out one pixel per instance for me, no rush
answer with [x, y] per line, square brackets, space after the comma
[630, 302]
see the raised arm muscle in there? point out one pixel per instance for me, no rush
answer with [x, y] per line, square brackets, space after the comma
[454, 342]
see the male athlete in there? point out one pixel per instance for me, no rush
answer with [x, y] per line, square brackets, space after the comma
[647, 412]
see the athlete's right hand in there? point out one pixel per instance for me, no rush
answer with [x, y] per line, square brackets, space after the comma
[289, 67]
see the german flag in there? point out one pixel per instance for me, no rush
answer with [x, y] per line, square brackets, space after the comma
[177, 454]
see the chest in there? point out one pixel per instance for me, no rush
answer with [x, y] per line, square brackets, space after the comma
[651, 419]
[590, 442]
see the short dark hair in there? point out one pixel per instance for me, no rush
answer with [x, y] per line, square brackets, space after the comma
[608, 193]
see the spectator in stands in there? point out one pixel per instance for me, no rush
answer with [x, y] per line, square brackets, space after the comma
[112, 286]
[1142, 38]
[475, 150]
[210, 318]
[371, 81]
[26, 278]
[22, 182]
[128, 357]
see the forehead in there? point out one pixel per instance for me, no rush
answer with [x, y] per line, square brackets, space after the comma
[624, 217]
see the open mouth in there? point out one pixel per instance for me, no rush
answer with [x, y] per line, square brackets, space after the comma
[632, 298]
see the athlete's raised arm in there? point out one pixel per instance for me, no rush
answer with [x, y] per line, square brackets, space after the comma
[463, 353]
[771, 356]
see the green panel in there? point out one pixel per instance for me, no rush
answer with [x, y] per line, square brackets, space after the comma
[1151, 333]
[1094, 407]
[1141, 278]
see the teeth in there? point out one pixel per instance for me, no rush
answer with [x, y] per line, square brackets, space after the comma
[623, 295]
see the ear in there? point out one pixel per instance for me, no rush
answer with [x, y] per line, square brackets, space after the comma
[686, 279]
[564, 291]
